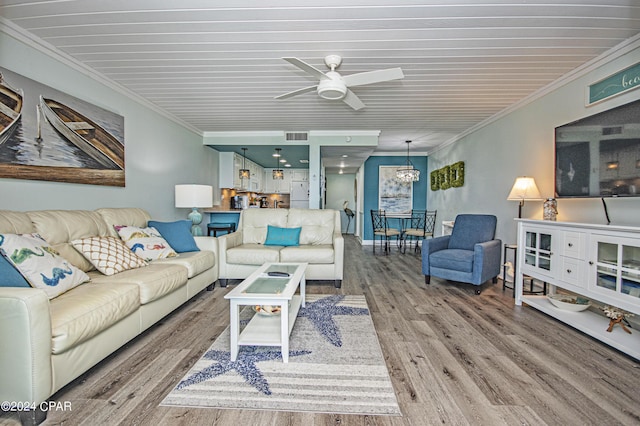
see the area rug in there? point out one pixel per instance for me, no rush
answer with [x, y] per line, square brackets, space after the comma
[335, 366]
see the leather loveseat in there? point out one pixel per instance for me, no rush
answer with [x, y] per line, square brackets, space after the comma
[46, 343]
[321, 244]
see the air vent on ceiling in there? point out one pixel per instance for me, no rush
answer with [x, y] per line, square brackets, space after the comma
[296, 136]
[615, 130]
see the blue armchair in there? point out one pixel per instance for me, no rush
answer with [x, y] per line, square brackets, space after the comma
[470, 254]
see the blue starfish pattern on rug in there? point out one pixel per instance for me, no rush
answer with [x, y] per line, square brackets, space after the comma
[245, 365]
[321, 313]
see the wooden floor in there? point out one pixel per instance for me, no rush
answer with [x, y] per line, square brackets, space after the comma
[454, 358]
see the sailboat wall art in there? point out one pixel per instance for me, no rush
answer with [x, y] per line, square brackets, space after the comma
[48, 135]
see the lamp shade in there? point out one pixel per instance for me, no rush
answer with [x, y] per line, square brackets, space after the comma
[524, 188]
[189, 196]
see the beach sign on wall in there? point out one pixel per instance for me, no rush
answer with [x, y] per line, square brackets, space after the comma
[620, 82]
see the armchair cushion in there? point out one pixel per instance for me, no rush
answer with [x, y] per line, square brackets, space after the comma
[459, 260]
[470, 229]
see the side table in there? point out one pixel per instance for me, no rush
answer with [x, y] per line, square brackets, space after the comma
[514, 248]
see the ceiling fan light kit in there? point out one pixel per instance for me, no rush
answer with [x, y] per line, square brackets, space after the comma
[332, 86]
[332, 89]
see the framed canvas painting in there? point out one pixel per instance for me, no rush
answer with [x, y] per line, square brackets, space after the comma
[394, 196]
[48, 135]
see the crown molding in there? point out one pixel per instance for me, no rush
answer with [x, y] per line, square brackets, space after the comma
[344, 133]
[243, 133]
[25, 37]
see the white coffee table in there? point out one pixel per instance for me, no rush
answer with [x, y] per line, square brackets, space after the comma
[261, 289]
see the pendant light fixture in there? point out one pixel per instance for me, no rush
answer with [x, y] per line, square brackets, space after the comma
[244, 172]
[277, 172]
[408, 173]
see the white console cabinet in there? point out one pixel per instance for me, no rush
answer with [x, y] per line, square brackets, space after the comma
[599, 262]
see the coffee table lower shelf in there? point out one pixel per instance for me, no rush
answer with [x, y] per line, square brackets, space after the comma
[264, 330]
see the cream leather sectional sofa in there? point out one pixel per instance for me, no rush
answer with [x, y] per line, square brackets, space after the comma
[321, 244]
[48, 343]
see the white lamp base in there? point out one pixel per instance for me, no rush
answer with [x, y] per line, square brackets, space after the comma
[196, 218]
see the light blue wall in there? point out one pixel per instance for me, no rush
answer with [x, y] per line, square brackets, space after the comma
[521, 143]
[371, 167]
[340, 188]
[159, 153]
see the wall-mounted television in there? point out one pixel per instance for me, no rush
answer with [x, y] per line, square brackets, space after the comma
[599, 156]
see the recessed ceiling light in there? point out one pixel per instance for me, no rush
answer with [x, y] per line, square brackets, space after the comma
[282, 160]
[304, 161]
[287, 165]
[344, 155]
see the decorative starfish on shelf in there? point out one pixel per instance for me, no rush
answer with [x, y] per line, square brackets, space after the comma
[617, 316]
[321, 313]
[245, 365]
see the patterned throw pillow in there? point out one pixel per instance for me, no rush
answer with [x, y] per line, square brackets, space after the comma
[108, 254]
[40, 264]
[147, 243]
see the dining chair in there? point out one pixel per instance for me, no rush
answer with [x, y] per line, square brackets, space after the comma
[418, 227]
[381, 229]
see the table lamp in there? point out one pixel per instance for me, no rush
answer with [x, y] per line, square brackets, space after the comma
[524, 188]
[194, 196]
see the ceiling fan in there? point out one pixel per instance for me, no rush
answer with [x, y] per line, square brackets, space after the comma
[333, 86]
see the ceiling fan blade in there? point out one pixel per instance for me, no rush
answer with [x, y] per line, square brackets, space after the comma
[297, 92]
[353, 101]
[370, 77]
[307, 68]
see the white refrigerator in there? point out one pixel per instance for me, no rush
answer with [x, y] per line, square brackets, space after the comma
[299, 197]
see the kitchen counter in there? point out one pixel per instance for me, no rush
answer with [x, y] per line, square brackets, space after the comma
[221, 210]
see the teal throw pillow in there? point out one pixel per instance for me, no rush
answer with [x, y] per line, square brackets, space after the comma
[282, 236]
[177, 234]
[9, 275]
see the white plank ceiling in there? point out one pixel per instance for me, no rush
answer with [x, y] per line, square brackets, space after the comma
[216, 64]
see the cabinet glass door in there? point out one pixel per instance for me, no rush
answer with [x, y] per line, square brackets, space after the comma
[538, 250]
[631, 270]
[607, 265]
[618, 268]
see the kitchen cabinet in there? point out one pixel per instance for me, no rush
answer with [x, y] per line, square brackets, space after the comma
[598, 262]
[300, 175]
[277, 186]
[229, 167]
[257, 173]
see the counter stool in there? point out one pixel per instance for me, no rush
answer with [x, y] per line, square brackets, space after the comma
[215, 227]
